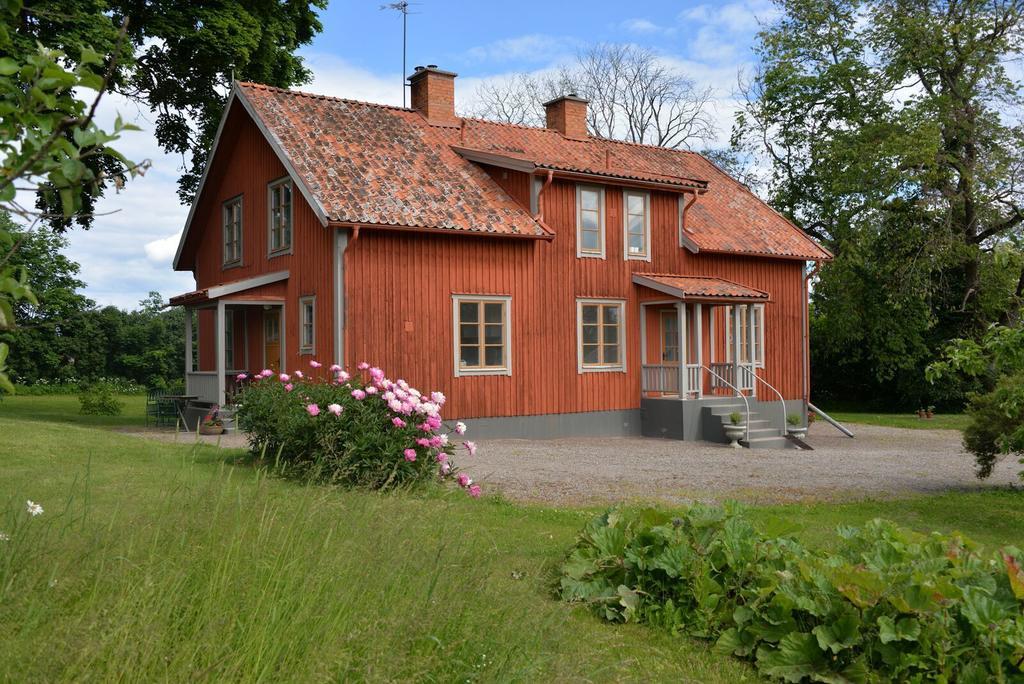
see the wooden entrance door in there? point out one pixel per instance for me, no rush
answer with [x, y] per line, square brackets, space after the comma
[669, 338]
[272, 339]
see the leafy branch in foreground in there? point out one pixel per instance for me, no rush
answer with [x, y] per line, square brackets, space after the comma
[48, 136]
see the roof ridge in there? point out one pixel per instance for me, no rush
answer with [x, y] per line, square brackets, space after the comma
[316, 96]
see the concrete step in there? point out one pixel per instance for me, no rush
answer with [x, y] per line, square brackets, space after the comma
[764, 432]
[777, 442]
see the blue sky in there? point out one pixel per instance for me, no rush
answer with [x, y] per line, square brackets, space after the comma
[128, 252]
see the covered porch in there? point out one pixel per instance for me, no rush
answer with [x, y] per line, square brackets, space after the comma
[703, 338]
[229, 331]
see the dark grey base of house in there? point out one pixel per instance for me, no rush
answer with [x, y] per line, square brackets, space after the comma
[692, 420]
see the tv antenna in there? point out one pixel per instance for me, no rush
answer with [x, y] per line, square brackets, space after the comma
[403, 7]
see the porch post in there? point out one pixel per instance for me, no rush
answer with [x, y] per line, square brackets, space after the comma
[643, 348]
[681, 315]
[736, 349]
[698, 315]
[221, 360]
[188, 344]
[750, 350]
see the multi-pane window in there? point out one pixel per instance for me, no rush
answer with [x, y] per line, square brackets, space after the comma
[636, 215]
[307, 325]
[482, 335]
[589, 221]
[744, 339]
[670, 336]
[281, 216]
[600, 335]
[233, 231]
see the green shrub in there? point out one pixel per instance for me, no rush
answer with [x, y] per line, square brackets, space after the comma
[886, 604]
[363, 431]
[736, 418]
[74, 386]
[99, 399]
[996, 428]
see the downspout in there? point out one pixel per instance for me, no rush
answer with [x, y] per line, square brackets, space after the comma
[539, 216]
[807, 333]
[686, 207]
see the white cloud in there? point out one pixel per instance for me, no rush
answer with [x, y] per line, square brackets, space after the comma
[646, 26]
[734, 17]
[161, 252]
[532, 48]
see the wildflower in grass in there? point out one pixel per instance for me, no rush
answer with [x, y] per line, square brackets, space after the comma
[313, 410]
[460, 428]
[470, 447]
[289, 387]
[315, 364]
[474, 491]
[398, 422]
[336, 409]
[359, 394]
[34, 509]
[438, 398]
[410, 455]
[4, 537]
[241, 376]
[299, 374]
[283, 377]
[464, 480]
[363, 365]
[335, 368]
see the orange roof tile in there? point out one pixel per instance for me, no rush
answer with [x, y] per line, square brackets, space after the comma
[379, 164]
[698, 287]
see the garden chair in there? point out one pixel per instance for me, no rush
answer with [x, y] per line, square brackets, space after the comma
[153, 405]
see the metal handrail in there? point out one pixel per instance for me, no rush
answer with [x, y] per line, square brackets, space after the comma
[785, 421]
[740, 394]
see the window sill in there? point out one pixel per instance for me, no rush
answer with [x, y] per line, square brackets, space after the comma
[637, 257]
[229, 266]
[466, 372]
[602, 369]
[587, 255]
[280, 252]
[306, 351]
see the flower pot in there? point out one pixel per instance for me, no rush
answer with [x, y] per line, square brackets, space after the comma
[211, 429]
[734, 433]
[798, 432]
[928, 415]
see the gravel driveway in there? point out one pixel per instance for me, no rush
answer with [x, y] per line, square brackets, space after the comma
[879, 462]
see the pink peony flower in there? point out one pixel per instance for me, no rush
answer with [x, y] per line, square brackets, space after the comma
[460, 428]
[434, 422]
[410, 455]
[371, 390]
[335, 368]
[442, 457]
[464, 480]
[359, 394]
[336, 409]
[395, 405]
[398, 422]
[424, 427]
[289, 387]
[470, 447]
[315, 364]
[474, 491]
[445, 469]
[299, 374]
[423, 442]
[438, 398]
[283, 377]
[343, 376]
[240, 377]
[363, 365]
[313, 410]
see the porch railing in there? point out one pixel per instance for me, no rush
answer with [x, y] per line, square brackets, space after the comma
[202, 384]
[723, 376]
[664, 379]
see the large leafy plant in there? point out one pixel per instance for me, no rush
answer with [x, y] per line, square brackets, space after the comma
[886, 604]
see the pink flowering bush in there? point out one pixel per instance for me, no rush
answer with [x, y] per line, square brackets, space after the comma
[362, 430]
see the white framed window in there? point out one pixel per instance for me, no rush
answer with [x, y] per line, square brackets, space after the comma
[280, 217]
[744, 345]
[482, 326]
[232, 222]
[307, 324]
[590, 221]
[600, 335]
[636, 224]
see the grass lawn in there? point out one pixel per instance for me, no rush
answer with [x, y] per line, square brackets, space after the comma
[64, 408]
[941, 421]
[156, 561]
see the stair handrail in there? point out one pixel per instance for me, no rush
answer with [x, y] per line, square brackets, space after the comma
[742, 396]
[782, 402]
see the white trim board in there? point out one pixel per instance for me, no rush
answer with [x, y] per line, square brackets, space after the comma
[247, 284]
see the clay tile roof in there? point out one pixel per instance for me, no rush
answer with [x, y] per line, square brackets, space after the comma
[378, 164]
[698, 287]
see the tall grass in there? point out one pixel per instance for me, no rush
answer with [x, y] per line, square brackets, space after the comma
[161, 562]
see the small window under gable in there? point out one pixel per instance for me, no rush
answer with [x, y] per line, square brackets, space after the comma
[589, 221]
[307, 325]
[636, 215]
[280, 217]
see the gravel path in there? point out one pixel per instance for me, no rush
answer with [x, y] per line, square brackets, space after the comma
[880, 462]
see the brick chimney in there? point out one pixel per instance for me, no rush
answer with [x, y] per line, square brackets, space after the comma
[567, 115]
[433, 94]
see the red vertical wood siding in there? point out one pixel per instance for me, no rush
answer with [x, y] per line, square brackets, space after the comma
[245, 165]
[403, 321]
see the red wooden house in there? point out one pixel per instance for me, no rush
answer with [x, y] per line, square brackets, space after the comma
[549, 282]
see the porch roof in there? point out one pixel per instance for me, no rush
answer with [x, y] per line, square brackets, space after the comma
[699, 288]
[211, 294]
